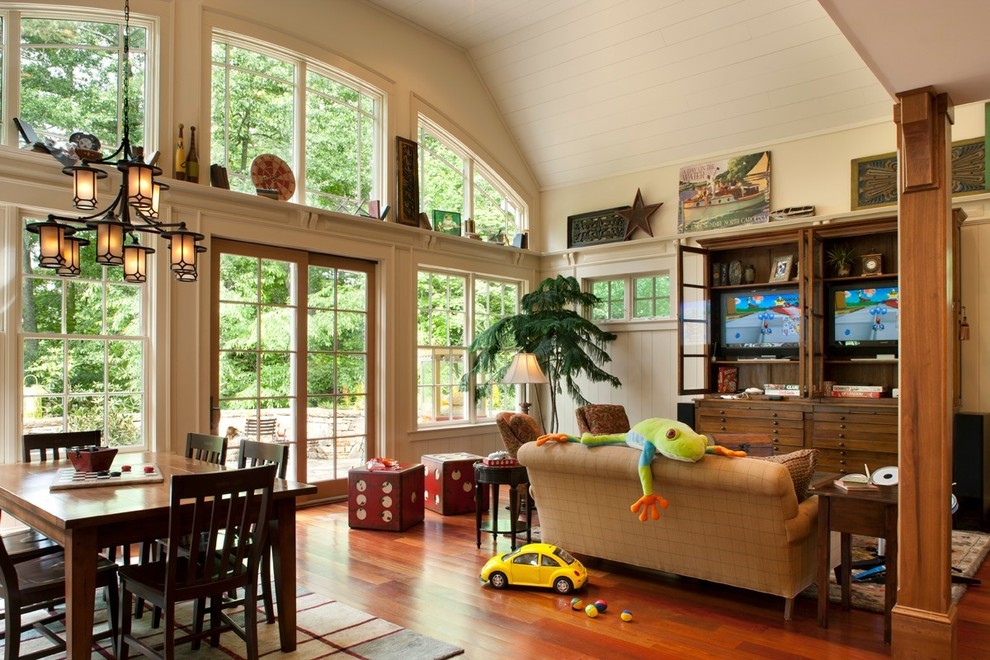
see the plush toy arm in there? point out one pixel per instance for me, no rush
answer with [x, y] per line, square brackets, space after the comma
[723, 451]
[650, 501]
[601, 440]
[649, 505]
[554, 437]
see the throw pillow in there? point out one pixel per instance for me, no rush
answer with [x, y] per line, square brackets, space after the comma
[801, 464]
[524, 428]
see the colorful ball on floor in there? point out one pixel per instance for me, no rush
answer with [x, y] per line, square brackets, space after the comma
[577, 604]
[601, 604]
[591, 611]
[626, 615]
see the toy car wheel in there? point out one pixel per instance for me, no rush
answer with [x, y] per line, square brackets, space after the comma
[498, 580]
[562, 585]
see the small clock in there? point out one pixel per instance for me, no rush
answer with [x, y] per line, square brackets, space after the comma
[872, 264]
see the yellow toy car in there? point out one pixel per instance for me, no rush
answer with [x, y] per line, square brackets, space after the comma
[536, 565]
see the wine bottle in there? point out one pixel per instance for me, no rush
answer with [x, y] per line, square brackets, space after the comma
[180, 158]
[192, 158]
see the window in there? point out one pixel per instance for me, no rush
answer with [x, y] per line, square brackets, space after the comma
[258, 108]
[448, 306]
[649, 293]
[451, 178]
[73, 330]
[72, 75]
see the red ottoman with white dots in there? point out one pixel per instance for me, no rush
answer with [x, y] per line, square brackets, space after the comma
[385, 499]
[450, 483]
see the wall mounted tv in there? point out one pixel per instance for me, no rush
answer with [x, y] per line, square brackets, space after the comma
[758, 323]
[863, 319]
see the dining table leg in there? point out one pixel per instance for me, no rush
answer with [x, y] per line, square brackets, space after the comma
[80, 589]
[284, 564]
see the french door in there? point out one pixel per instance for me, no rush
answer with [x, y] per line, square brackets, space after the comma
[292, 348]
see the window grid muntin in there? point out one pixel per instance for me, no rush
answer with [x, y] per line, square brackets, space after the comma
[514, 216]
[484, 317]
[655, 302]
[69, 394]
[298, 159]
[453, 352]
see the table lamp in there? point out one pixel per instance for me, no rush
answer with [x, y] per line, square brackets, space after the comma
[524, 370]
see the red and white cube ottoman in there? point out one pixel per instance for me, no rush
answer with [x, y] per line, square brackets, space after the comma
[389, 499]
[449, 483]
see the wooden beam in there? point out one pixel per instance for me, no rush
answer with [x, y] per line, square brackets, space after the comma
[924, 617]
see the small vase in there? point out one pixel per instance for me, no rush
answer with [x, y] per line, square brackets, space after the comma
[843, 270]
[749, 275]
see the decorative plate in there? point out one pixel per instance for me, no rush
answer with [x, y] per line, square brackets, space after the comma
[268, 171]
[735, 272]
[85, 141]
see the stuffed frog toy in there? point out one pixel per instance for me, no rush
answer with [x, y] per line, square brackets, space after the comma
[672, 439]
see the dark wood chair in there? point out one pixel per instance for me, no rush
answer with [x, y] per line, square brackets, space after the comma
[211, 551]
[38, 584]
[252, 454]
[24, 544]
[209, 448]
[42, 442]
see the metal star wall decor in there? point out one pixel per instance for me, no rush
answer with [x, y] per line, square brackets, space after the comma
[639, 215]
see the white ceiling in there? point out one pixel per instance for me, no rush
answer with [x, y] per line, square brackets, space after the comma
[596, 88]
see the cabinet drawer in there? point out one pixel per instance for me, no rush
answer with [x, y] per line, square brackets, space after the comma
[857, 418]
[850, 461]
[834, 431]
[773, 428]
[750, 412]
[856, 444]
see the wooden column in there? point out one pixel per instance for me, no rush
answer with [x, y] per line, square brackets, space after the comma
[924, 618]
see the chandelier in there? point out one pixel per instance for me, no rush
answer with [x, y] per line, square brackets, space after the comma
[134, 210]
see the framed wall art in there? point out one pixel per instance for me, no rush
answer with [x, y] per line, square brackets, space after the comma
[724, 193]
[874, 178]
[407, 171]
[781, 269]
[447, 222]
[596, 227]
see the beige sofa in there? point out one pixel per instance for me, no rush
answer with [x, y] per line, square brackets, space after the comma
[735, 521]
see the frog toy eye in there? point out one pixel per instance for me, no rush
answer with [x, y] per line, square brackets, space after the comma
[671, 434]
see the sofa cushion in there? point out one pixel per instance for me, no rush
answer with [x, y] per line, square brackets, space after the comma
[801, 464]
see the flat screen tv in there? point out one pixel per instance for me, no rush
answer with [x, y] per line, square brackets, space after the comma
[863, 318]
[763, 322]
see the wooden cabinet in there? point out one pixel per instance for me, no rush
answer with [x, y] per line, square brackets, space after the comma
[771, 308]
[784, 422]
[846, 435]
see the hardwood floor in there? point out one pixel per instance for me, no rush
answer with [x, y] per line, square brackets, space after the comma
[426, 579]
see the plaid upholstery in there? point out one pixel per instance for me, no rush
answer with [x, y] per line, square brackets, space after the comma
[602, 419]
[735, 521]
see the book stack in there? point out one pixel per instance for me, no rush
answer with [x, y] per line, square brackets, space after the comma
[781, 389]
[855, 482]
[860, 391]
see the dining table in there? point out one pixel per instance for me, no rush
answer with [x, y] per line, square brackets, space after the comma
[86, 520]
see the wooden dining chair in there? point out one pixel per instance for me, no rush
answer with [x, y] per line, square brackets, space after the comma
[43, 442]
[218, 523]
[24, 544]
[255, 453]
[38, 584]
[209, 448]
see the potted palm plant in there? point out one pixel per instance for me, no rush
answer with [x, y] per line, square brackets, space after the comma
[841, 258]
[567, 345]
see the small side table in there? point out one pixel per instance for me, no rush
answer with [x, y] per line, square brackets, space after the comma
[864, 512]
[494, 476]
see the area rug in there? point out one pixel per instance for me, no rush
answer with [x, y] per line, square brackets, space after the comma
[969, 549]
[324, 627]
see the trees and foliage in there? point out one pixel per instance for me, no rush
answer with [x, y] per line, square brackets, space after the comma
[567, 345]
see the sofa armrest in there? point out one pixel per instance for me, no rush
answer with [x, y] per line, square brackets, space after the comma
[805, 523]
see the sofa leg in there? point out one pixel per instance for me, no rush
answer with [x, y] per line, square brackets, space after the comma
[788, 608]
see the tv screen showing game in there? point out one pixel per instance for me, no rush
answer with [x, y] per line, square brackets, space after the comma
[864, 317]
[761, 321]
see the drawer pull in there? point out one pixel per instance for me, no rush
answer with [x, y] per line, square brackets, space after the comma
[842, 418]
[842, 462]
[842, 444]
[842, 435]
[721, 412]
[773, 414]
[775, 422]
[721, 419]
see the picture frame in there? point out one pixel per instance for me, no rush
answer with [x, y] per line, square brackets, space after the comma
[728, 192]
[521, 240]
[218, 177]
[447, 222]
[596, 227]
[781, 269]
[407, 173]
[874, 178]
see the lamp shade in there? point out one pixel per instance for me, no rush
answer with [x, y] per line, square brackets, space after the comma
[51, 242]
[72, 257]
[525, 369]
[136, 263]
